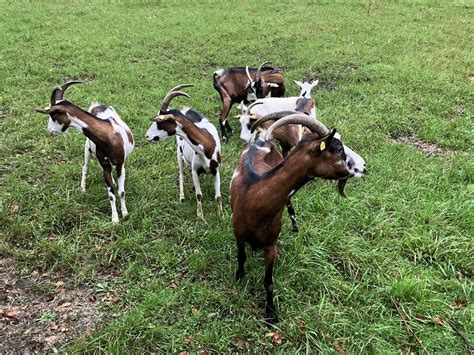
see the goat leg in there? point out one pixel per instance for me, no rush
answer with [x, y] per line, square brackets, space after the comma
[270, 313]
[292, 213]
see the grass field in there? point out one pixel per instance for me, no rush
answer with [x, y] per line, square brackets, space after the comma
[395, 79]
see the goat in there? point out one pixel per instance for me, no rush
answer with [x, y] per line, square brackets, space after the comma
[264, 181]
[245, 84]
[303, 103]
[197, 144]
[107, 137]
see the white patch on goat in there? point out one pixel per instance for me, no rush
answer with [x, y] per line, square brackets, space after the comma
[265, 149]
[55, 128]
[355, 163]
[76, 122]
[219, 72]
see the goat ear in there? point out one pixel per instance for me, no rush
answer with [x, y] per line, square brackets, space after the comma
[314, 83]
[272, 85]
[46, 110]
[324, 143]
[167, 117]
[299, 83]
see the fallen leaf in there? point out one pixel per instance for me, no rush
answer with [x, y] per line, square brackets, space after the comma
[278, 338]
[15, 208]
[336, 345]
[49, 297]
[52, 237]
[64, 329]
[240, 344]
[202, 352]
[438, 320]
[113, 299]
[194, 310]
[65, 305]
[184, 353]
[59, 283]
[93, 298]
[421, 318]
[53, 325]
[212, 315]
[459, 304]
[9, 313]
[188, 340]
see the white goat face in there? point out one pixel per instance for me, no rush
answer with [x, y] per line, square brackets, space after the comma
[160, 130]
[56, 128]
[245, 125]
[306, 88]
[354, 162]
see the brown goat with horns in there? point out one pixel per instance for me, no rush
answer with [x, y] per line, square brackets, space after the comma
[264, 182]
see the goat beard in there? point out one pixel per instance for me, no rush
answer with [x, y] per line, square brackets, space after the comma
[340, 186]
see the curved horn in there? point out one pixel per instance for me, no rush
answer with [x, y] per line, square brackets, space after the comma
[257, 77]
[58, 91]
[179, 87]
[252, 105]
[270, 117]
[313, 124]
[170, 96]
[248, 74]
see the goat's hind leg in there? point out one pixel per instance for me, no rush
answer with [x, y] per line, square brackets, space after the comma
[270, 313]
[179, 156]
[292, 213]
[197, 186]
[217, 189]
[110, 189]
[121, 188]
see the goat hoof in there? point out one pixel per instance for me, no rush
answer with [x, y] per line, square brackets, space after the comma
[239, 275]
[181, 200]
[271, 318]
[295, 229]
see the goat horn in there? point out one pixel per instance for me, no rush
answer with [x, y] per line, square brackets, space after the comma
[313, 124]
[248, 74]
[179, 87]
[169, 97]
[270, 117]
[257, 77]
[58, 91]
[252, 105]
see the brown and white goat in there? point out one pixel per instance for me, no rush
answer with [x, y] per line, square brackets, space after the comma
[107, 137]
[246, 84]
[264, 181]
[197, 144]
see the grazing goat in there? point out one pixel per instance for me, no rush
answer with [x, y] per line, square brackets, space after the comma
[245, 84]
[197, 144]
[264, 181]
[107, 137]
[303, 103]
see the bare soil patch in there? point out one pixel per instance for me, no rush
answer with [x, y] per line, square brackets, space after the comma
[41, 322]
[427, 148]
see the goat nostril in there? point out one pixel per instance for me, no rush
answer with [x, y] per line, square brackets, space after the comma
[156, 138]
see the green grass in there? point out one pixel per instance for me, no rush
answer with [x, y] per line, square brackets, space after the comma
[404, 233]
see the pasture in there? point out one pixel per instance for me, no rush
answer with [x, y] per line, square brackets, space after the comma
[396, 80]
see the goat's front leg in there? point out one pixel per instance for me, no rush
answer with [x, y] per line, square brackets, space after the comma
[85, 168]
[109, 181]
[292, 213]
[197, 187]
[225, 127]
[217, 189]
[121, 188]
[270, 255]
[181, 175]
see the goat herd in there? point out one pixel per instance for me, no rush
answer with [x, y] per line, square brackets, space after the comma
[265, 178]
